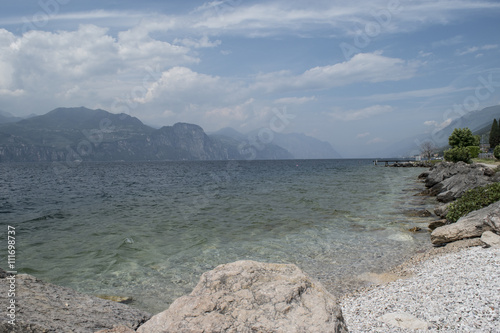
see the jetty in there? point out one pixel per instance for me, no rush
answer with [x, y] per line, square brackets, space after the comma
[387, 162]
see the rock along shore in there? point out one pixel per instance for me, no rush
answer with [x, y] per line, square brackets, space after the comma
[451, 288]
[454, 288]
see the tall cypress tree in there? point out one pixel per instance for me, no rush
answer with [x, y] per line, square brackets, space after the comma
[494, 134]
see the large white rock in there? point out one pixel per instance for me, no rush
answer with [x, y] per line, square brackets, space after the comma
[404, 320]
[248, 296]
[491, 239]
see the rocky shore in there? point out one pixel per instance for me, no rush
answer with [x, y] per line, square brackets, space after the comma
[453, 287]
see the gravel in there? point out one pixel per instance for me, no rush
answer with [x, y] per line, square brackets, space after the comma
[453, 292]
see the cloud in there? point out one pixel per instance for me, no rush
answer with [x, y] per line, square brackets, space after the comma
[362, 135]
[84, 66]
[363, 67]
[375, 141]
[420, 93]
[203, 42]
[437, 125]
[448, 42]
[474, 49]
[362, 113]
[294, 100]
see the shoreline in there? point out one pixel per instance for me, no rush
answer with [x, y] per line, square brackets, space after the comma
[453, 289]
[450, 288]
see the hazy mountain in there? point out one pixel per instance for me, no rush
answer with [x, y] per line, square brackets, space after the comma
[74, 134]
[478, 121]
[249, 147]
[300, 146]
[6, 117]
[475, 120]
[305, 147]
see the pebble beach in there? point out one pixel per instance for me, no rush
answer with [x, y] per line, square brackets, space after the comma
[450, 289]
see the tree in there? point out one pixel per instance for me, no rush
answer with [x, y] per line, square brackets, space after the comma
[427, 149]
[463, 137]
[494, 135]
[457, 154]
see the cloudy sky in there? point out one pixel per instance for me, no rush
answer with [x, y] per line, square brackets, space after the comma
[360, 74]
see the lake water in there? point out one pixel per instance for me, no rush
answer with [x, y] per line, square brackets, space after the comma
[148, 230]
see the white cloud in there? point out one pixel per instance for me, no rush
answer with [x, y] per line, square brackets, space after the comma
[362, 135]
[361, 113]
[87, 66]
[375, 141]
[363, 67]
[294, 100]
[474, 49]
[437, 125]
[420, 93]
[203, 42]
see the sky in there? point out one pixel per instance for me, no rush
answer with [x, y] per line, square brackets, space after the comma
[359, 74]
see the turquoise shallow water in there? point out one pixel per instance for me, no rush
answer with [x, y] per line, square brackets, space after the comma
[149, 230]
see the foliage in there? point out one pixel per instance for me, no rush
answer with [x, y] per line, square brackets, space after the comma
[474, 151]
[457, 155]
[496, 152]
[494, 139]
[474, 199]
[463, 137]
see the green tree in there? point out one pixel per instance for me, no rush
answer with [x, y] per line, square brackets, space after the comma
[457, 154]
[463, 137]
[494, 135]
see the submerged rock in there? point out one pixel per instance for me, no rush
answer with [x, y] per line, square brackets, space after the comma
[472, 225]
[248, 296]
[44, 307]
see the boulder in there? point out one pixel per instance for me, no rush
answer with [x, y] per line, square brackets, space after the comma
[491, 239]
[418, 213]
[248, 296]
[44, 307]
[436, 224]
[449, 181]
[454, 187]
[443, 170]
[470, 226]
[442, 210]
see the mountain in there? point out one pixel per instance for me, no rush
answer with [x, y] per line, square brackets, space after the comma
[300, 146]
[478, 121]
[75, 134]
[6, 117]
[249, 147]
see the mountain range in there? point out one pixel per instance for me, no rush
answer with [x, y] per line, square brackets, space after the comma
[479, 122]
[76, 134]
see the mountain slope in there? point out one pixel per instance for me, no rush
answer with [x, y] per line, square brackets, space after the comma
[299, 146]
[6, 117]
[74, 134]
